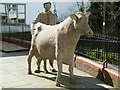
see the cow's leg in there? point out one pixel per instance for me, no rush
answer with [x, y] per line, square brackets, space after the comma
[45, 66]
[37, 55]
[72, 80]
[52, 67]
[59, 64]
[38, 65]
[31, 54]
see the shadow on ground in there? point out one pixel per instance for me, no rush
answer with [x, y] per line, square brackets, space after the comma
[81, 82]
[14, 53]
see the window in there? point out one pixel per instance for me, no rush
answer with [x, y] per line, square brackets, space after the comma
[13, 13]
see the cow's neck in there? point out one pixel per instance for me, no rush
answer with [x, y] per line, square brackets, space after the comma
[74, 37]
[72, 33]
[67, 22]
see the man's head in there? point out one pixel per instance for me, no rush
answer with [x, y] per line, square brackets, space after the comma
[47, 5]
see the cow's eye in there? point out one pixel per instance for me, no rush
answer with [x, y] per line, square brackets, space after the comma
[80, 18]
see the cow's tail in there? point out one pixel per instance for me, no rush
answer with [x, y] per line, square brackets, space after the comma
[32, 28]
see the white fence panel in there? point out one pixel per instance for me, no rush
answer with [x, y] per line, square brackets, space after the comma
[11, 28]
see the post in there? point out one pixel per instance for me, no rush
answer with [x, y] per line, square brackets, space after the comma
[17, 14]
[104, 43]
[104, 9]
[25, 12]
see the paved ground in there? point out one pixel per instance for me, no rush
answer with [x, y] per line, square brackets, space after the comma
[7, 47]
[14, 75]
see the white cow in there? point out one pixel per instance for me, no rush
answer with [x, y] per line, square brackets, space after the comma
[58, 42]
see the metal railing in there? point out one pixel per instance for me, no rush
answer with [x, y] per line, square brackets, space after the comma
[11, 28]
[18, 31]
[103, 48]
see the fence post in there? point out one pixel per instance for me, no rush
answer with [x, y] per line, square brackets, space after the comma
[105, 64]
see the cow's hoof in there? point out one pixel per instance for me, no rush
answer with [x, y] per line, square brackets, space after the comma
[58, 84]
[37, 71]
[46, 71]
[53, 70]
[29, 73]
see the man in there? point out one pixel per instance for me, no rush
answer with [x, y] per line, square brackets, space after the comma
[46, 17]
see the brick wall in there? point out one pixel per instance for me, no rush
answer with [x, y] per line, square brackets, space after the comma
[109, 76]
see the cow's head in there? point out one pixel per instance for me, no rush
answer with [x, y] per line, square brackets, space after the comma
[80, 21]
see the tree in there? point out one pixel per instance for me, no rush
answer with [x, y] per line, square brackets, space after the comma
[112, 17]
[96, 17]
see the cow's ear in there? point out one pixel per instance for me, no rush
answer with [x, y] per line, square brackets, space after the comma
[87, 14]
[39, 28]
[74, 17]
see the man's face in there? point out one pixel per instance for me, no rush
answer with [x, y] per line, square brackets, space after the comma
[47, 6]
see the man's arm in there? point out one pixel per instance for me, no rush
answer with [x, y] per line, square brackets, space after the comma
[37, 19]
[54, 19]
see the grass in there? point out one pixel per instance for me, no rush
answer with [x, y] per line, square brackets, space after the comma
[100, 54]
[19, 35]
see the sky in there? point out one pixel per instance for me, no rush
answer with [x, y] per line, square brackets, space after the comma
[33, 7]
[22, 1]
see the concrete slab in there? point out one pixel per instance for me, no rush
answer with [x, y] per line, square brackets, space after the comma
[14, 75]
[7, 47]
